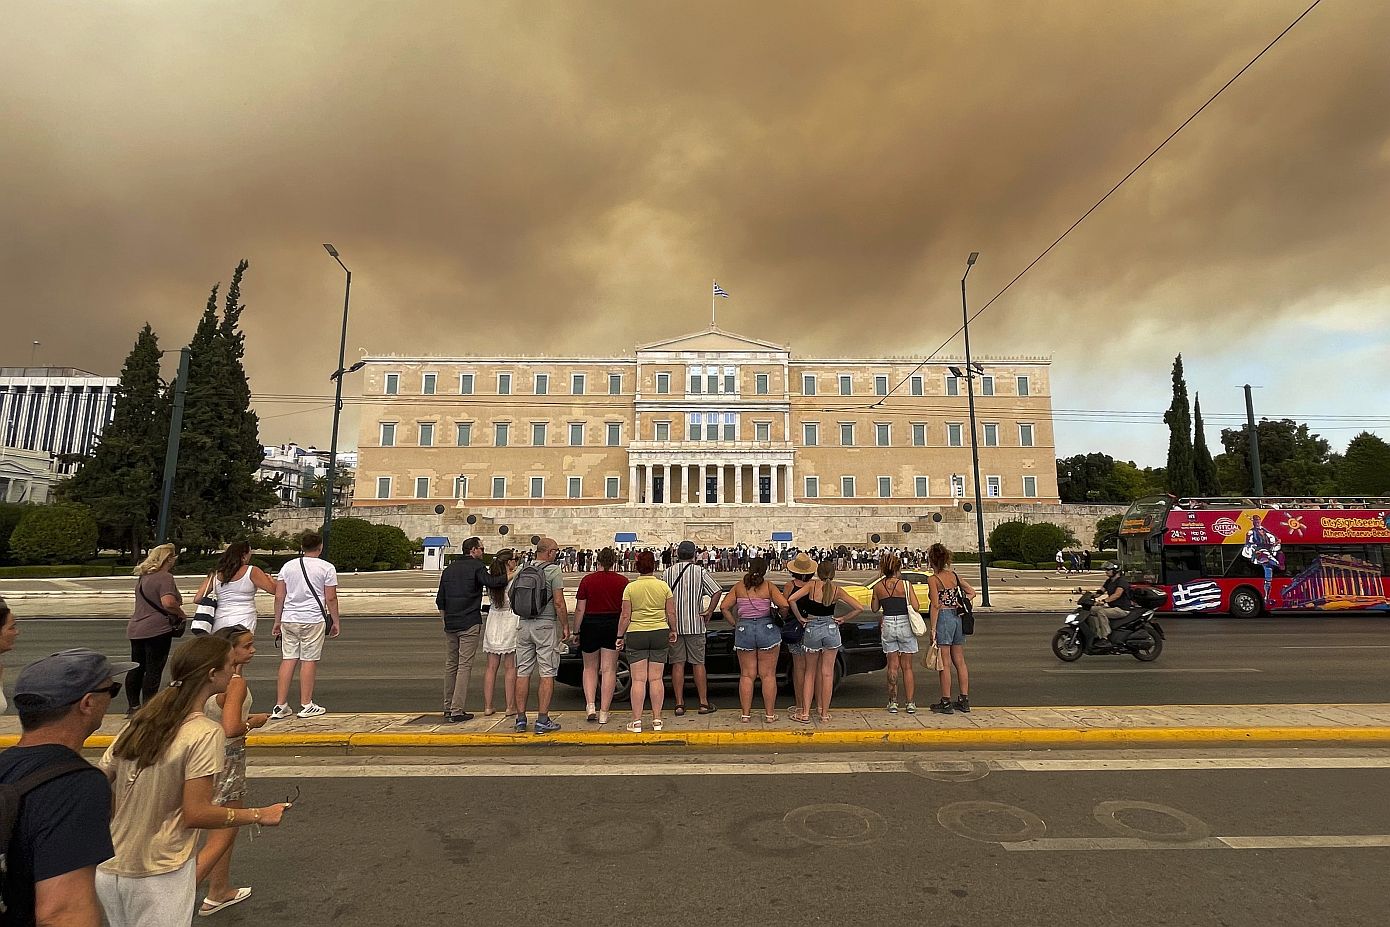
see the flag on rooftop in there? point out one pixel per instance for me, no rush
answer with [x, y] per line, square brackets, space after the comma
[719, 291]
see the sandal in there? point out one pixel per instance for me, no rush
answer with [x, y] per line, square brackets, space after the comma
[769, 718]
[210, 907]
[800, 719]
[706, 709]
[633, 727]
[657, 724]
[680, 710]
[745, 718]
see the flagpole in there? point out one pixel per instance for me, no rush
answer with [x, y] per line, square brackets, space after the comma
[713, 301]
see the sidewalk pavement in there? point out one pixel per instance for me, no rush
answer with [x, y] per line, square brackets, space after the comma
[984, 727]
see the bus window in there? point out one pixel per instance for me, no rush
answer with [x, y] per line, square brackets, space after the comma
[1213, 564]
[1182, 564]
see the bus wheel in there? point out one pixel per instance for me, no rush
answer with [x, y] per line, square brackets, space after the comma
[1246, 603]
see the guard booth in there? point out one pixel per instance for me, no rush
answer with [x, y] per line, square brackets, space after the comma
[435, 548]
[781, 540]
[625, 540]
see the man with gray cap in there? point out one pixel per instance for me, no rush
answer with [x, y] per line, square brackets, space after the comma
[63, 828]
[690, 583]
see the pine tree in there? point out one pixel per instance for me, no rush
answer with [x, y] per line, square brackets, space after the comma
[1203, 467]
[217, 494]
[1181, 476]
[120, 481]
[1365, 468]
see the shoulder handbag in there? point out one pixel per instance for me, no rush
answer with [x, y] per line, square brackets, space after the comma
[327, 618]
[966, 609]
[205, 612]
[177, 625]
[914, 617]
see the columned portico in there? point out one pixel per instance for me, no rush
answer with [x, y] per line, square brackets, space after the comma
[728, 477]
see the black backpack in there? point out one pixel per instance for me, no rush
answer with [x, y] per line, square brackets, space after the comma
[12, 801]
[530, 591]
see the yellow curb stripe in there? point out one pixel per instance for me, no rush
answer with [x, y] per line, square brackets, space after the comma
[851, 738]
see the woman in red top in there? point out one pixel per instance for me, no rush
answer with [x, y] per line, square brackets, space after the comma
[600, 599]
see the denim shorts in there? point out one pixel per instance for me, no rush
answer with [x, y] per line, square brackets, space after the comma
[948, 629]
[821, 634]
[756, 634]
[897, 635]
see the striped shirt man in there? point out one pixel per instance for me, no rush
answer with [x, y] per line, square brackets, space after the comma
[690, 583]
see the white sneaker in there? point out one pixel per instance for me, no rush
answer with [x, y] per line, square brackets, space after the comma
[312, 710]
[281, 712]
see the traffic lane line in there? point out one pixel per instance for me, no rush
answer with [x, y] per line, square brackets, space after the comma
[1300, 842]
[1151, 670]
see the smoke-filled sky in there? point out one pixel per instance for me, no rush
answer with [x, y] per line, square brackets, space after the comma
[515, 177]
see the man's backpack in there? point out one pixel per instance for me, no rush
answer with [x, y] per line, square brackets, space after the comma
[530, 591]
[12, 800]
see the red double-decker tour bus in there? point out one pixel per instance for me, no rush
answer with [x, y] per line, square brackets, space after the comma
[1248, 556]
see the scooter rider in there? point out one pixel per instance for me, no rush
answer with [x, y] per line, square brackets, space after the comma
[1114, 601]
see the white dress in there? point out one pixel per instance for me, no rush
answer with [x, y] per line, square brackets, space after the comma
[236, 603]
[500, 626]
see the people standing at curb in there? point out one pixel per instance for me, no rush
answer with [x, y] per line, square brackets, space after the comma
[62, 829]
[161, 769]
[9, 633]
[822, 640]
[802, 570]
[691, 585]
[598, 607]
[757, 638]
[646, 631]
[232, 710]
[152, 625]
[499, 635]
[947, 601]
[538, 598]
[891, 596]
[460, 604]
[234, 583]
[306, 611]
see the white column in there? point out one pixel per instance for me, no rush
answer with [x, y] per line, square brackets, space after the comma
[791, 483]
[738, 484]
[776, 494]
[719, 482]
[651, 472]
[632, 484]
[699, 483]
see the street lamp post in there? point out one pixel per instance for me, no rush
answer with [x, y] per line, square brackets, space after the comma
[337, 403]
[974, 443]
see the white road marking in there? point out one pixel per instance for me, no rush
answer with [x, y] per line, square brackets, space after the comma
[1335, 647]
[1167, 669]
[1198, 763]
[1301, 842]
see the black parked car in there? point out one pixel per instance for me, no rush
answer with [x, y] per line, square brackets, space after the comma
[861, 653]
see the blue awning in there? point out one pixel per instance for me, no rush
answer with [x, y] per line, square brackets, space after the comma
[781, 535]
[625, 537]
[437, 542]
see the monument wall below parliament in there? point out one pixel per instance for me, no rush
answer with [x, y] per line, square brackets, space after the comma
[809, 525]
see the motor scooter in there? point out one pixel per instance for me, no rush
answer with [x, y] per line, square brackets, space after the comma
[1137, 634]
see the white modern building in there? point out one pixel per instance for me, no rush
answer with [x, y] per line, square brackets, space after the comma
[54, 410]
[295, 468]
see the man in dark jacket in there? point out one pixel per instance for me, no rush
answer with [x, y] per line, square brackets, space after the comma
[460, 604]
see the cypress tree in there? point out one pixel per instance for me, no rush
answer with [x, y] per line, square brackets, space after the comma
[1203, 466]
[1181, 475]
[119, 482]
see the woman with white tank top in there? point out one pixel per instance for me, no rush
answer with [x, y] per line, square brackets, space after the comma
[235, 583]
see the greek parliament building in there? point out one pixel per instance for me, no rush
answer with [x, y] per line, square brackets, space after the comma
[710, 435]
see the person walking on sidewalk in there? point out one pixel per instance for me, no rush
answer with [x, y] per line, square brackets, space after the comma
[151, 627]
[62, 829]
[598, 605]
[822, 640]
[234, 584]
[757, 639]
[538, 598]
[646, 631]
[232, 710]
[161, 769]
[499, 635]
[802, 571]
[948, 594]
[891, 596]
[691, 585]
[460, 604]
[306, 610]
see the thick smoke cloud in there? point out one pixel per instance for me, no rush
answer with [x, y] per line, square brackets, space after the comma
[590, 166]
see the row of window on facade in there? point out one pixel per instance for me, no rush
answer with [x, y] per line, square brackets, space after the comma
[711, 426]
[574, 487]
[703, 380]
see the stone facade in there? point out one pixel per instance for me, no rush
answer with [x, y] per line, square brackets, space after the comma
[706, 421]
[809, 525]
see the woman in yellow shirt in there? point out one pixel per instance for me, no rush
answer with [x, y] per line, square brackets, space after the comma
[646, 631]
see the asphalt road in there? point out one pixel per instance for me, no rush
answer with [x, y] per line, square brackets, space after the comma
[710, 846]
[395, 664]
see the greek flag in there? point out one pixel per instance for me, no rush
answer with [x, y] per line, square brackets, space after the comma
[719, 291]
[1196, 597]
